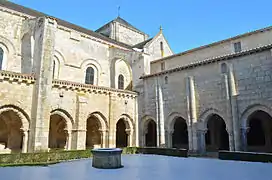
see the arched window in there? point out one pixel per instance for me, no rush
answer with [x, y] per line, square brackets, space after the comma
[162, 50]
[120, 81]
[224, 68]
[89, 78]
[54, 69]
[161, 44]
[1, 57]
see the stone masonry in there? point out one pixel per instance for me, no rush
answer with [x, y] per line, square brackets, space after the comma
[140, 93]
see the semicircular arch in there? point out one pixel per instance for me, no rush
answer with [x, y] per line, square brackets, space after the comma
[67, 117]
[101, 119]
[19, 112]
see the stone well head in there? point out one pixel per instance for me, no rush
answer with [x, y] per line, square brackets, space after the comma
[107, 158]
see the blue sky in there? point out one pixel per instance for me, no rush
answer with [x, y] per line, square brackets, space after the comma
[186, 23]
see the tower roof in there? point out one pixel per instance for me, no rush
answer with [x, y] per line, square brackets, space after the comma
[121, 21]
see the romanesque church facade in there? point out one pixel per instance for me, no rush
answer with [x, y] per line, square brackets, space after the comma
[66, 87]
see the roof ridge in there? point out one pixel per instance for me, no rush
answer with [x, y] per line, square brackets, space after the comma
[215, 43]
[210, 60]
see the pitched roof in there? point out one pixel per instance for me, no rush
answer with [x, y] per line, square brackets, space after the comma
[210, 60]
[124, 22]
[35, 13]
[142, 44]
[121, 21]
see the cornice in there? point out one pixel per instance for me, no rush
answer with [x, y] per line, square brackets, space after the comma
[211, 60]
[17, 77]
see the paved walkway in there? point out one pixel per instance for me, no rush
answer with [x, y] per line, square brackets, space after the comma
[145, 167]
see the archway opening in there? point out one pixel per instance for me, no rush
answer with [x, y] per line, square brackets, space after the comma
[93, 135]
[57, 132]
[259, 136]
[180, 134]
[151, 135]
[217, 137]
[11, 136]
[121, 134]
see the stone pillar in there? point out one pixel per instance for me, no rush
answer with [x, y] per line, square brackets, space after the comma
[25, 141]
[44, 36]
[201, 141]
[169, 134]
[130, 137]
[103, 138]
[160, 115]
[79, 135]
[113, 118]
[231, 144]
[68, 140]
[192, 117]
[244, 132]
[234, 109]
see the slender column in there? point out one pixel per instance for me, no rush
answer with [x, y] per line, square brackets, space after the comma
[244, 132]
[231, 144]
[169, 138]
[68, 140]
[103, 138]
[25, 141]
[130, 137]
[201, 141]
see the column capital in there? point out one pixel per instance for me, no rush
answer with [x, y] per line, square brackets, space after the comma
[204, 131]
[24, 131]
[128, 131]
[169, 131]
[245, 129]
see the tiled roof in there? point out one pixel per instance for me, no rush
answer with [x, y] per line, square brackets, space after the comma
[35, 13]
[142, 44]
[211, 60]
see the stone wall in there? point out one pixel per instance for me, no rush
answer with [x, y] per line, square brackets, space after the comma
[10, 40]
[247, 79]
[128, 35]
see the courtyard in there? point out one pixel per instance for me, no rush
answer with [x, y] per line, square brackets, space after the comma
[145, 167]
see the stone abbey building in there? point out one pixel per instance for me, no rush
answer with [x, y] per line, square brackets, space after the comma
[64, 86]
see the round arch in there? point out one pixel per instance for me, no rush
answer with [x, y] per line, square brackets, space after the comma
[8, 45]
[101, 119]
[19, 112]
[66, 116]
[60, 57]
[250, 110]
[128, 121]
[96, 67]
[114, 78]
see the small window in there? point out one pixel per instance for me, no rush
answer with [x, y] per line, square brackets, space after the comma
[1, 57]
[54, 69]
[166, 79]
[163, 66]
[89, 78]
[237, 47]
[120, 81]
[162, 50]
[224, 68]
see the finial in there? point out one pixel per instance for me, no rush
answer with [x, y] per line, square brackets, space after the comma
[118, 11]
[160, 28]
